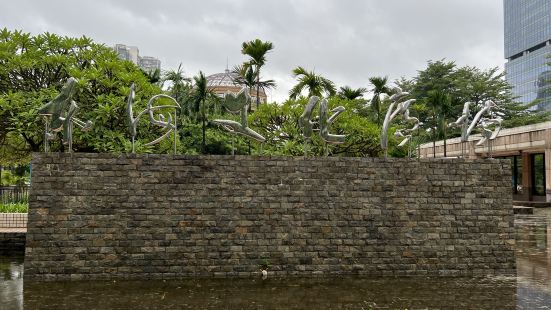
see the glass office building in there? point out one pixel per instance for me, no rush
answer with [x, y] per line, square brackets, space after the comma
[527, 45]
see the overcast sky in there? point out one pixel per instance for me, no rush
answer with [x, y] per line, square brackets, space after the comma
[347, 41]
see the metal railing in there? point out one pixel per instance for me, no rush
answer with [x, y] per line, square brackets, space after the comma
[14, 194]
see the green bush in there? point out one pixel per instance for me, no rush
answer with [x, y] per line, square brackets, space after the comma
[22, 207]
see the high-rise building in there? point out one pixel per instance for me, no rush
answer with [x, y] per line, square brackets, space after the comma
[527, 45]
[148, 63]
[132, 53]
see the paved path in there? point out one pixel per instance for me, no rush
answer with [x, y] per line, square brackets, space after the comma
[13, 230]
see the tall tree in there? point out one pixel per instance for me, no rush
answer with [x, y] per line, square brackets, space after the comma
[179, 83]
[465, 84]
[380, 87]
[154, 76]
[349, 93]
[257, 51]
[32, 72]
[201, 94]
[246, 76]
[439, 104]
[314, 83]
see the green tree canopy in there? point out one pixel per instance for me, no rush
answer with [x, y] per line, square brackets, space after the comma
[380, 88]
[279, 124]
[257, 50]
[314, 83]
[347, 92]
[32, 71]
[442, 88]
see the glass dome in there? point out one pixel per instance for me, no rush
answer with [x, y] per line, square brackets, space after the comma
[226, 78]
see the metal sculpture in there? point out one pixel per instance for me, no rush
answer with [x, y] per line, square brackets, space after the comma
[488, 105]
[325, 122]
[396, 107]
[408, 133]
[462, 122]
[239, 104]
[59, 116]
[170, 124]
[487, 133]
[478, 121]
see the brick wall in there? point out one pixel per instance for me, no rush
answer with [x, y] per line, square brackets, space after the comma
[159, 216]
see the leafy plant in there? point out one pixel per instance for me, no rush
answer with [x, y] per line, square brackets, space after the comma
[22, 207]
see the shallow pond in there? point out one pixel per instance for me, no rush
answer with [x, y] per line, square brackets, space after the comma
[530, 289]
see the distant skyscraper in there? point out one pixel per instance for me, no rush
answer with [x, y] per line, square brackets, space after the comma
[527, 45]
[131, 53]
[148, 63]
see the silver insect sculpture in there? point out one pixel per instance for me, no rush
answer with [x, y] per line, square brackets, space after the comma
[239, 104]
[59, 116]
[307, 125]
[397, 107]
[478, 121]
[170, 124]
[408, 133]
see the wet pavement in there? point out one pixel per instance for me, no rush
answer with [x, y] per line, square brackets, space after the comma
[530, 289]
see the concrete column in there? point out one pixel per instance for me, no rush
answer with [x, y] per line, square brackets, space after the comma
[526, 177]
[548, 175]
[470, 150]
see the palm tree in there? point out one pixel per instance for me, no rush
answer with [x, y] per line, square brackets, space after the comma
[350, 93]
[316, 84]
[247, 77]
[257, 51]
[198, 98]
[380, 87]
[153, 76]
[180, 84]
[440, 105]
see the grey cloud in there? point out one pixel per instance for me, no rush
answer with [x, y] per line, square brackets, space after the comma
[347, 41]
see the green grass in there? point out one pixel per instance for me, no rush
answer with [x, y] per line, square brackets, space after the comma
[21, 207]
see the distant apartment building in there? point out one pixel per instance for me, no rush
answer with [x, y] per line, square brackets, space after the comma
[148, 63]
[132, 53]
[527, 25]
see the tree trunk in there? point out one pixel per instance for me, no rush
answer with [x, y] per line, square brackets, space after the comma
[203, 142]
[257, 86]
[445, 144]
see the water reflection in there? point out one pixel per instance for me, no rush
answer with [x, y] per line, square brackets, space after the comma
[529, 290]
[11, 282]
[533, 248]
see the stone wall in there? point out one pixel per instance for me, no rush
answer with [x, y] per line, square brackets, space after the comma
[158, 216]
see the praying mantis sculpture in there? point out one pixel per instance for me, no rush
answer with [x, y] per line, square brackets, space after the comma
[59, 116]
[396, 107]
[325, 122]
[239, 104]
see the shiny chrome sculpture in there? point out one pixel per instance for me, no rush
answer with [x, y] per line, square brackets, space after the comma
[59, 115]
[170, 124]
[396, 107]
[408, 133]
[478, 121]
[462, 122]
[239, 104]
[325, 122]
[487, 133]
